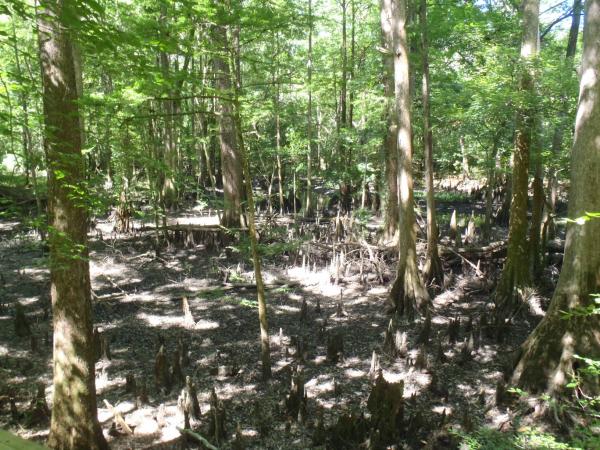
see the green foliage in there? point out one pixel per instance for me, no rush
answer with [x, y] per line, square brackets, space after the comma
[525, 438]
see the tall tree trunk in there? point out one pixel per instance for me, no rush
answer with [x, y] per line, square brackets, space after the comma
[408, 295]
[74, 424]
[433, 273]
[466, 171]
[491, 186]
[278, 129]
[392, 211]
[265, 352]
[309, 209]
[231, 163]
[344, 80]
[350, 117]
[537, 211]
[515, 274]
[548, 357]
[557, 138]
[169, 191]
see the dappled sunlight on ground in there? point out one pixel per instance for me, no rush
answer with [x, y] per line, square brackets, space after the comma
[138, 304]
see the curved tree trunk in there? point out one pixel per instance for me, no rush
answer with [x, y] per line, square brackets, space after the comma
[74, 424]
[392, 211]
[433, 273]
[515, 274]
[408, 294]
[265, 350]
[548, 356]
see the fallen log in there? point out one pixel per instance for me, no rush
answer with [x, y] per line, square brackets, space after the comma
[493, 250]
[490, 251]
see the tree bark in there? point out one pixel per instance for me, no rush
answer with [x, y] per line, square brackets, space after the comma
[392, 211]
[537, 211]
[408, 295]
[548, 356]
[169, 188]
[265, 351]
[557, 138]
[74, 424]
[433, 273]
[516, 273]
[231, 162]
[309, 209]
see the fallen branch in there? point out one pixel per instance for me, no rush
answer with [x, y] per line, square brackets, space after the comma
[118, 417]
[476, 267]
[202, 440]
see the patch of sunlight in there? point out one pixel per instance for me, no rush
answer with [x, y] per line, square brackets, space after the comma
[204, 324]
[286, 308]
[446, 298]
[28, 300]
[104, 383]
[231, 390]
[354, 373]
[379, 290]
[469, 388]
[393, 377]
[319, 385]
[37, 274]
[8, 226]
[161, 321]
[353, 361]
[321, 359]
[196, 283]
[294, 296]
[269, 277]
[110, 270]
[440, 410]
[143, 421]
[496, 417]
[486, 354]
[196, 220]
[249, 432]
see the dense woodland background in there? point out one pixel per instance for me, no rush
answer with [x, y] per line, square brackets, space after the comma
[300, 223]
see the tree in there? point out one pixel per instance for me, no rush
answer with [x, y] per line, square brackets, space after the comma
[231, 161]
[392, 212]
[433, 272]
[516, 273]
[308, 208]
[548, 356]
[234, 83]
[74, 424]
[408, 295]
[557, 138]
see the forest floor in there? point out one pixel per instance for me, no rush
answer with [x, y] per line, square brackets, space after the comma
[138, 296]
